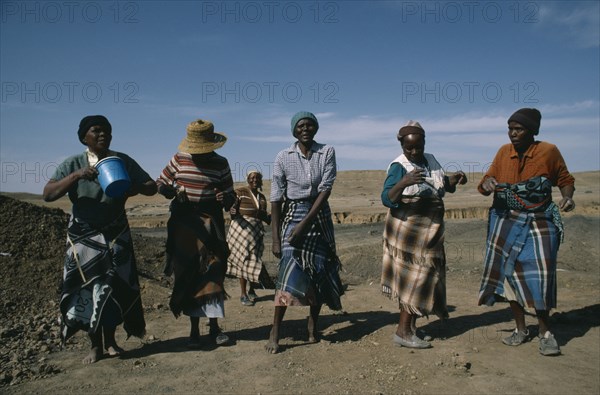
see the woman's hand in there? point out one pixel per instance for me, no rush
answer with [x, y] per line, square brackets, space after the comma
[459, 178]
[416, 176]
[489, 185]
[566, 204]
[234, 210]
[87, 173]
[56, 189]
[276, 249]
[219, 195]
[226, 199]
[275, 228]
[263, 216]
[297, 236]
[167, 191]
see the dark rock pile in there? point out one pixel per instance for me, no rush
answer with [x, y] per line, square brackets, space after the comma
[32, 244]
[32, 247]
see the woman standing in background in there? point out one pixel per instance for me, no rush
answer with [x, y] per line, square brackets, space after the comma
[246, 238]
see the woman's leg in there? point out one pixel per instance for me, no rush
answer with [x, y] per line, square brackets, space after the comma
[215, 333]
[272, 345]
[413, 323]
[405, 336]
[312, 323]
[519, 335]
[519, 314]
[96, 352]
[110, 344]
[213, 324]
[542, 316]
[195, 328]
[404, 329]
[194, 341]
[245, 299]
[251, 292]
[243, 283]
[419, 332]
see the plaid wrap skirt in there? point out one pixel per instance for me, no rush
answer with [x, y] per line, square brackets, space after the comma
[414, 260]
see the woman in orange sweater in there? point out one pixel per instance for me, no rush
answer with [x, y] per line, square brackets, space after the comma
[525, 228]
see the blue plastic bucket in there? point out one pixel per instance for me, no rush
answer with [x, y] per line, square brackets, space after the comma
[113, 177]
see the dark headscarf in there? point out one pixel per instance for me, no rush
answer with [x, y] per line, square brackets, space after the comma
[411, 127]
[92, 120]
[528, 117]
[303, 115]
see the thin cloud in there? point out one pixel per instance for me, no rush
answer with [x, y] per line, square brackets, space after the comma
[373, 131]
[570, 107]
[580, 25]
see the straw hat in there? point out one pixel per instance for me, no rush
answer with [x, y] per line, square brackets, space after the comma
[201, 138]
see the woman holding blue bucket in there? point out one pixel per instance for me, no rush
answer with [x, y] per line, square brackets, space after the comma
[100, 285]
[199, 182]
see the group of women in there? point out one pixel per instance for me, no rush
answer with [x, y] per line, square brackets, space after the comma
[100, 284]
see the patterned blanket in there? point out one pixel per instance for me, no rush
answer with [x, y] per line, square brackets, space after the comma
[196, 254]
[312, 265]
[245, 238]
[522, 249]
[100, 283]
[524, 232]
[414, 260]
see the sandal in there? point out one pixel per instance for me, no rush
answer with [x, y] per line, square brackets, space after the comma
[252, 296]
[245, 301]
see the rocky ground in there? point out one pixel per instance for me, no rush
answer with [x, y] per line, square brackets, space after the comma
[356, 354]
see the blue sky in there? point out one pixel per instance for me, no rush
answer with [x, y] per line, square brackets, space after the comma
[364, 68]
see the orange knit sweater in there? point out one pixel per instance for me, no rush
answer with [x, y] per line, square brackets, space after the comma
[540, 159]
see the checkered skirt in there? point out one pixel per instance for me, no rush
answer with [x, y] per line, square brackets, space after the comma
[522, 251]
[245, 240]
[311, 267]
[414, 261]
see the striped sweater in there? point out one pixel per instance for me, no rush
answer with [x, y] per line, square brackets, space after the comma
[199, 178]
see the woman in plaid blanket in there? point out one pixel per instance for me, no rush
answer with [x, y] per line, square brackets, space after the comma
[414, 261]
[525, 228]
[100, 287]
[302, 228]
[199, 182]
[246, 238]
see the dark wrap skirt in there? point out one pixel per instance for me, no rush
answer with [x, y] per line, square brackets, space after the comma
[100, 282]
[196, 254]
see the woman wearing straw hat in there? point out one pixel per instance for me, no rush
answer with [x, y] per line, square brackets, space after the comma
[199, 182]
[100, 285]
[245, 238]
[303, 237]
